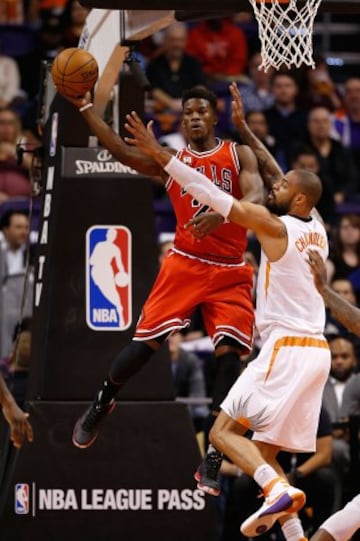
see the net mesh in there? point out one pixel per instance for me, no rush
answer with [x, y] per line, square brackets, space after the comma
[285, 32]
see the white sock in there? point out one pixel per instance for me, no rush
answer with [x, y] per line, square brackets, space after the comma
[293, 530]
[264, 474]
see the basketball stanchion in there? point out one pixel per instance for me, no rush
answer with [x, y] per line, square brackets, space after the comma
[137, 478]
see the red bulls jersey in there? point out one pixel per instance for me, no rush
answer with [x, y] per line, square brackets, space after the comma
[221, 165]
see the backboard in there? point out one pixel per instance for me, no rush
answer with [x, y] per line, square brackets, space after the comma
[190, 7]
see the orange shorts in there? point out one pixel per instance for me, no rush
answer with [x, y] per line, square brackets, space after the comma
[223, 293]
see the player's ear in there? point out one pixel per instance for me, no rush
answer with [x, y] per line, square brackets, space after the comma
[300, 199]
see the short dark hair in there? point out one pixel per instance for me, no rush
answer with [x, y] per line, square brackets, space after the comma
[6, 217]
[300, 150]
[278, 74]
[332, 337]
[255, 112]
[311, 185]
[200, 92]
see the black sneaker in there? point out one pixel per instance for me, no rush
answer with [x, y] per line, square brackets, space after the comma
[208, 474]
[86, 427]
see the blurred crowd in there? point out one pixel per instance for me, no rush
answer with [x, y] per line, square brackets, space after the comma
[307, 118]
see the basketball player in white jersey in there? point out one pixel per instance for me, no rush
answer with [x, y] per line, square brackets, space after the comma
[278, 396]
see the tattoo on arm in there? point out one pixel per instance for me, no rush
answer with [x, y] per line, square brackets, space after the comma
[342, 310]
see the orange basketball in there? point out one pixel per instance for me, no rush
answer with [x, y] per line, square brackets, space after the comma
[74, 72]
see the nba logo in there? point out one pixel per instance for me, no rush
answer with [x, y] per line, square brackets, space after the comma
[108, 278]
[21, 499]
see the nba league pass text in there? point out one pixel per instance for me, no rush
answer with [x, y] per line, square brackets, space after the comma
[98, 499]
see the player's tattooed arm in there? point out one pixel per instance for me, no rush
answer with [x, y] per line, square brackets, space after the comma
[341, 309]
[268, 166]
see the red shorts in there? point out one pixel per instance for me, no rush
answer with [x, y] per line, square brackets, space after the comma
[224, 294]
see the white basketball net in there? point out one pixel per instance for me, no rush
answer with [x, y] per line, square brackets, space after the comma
[285, 32]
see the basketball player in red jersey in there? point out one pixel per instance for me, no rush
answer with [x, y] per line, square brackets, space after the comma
[204, 268]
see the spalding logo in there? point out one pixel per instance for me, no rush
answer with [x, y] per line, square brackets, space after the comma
[104, 155]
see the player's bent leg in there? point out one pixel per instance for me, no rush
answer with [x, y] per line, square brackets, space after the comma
[127, 363]
[280, 498]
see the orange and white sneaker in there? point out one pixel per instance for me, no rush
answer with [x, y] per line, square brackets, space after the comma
[281, 499]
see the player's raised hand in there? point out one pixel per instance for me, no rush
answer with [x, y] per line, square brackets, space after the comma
[237, 108]
[143, 136]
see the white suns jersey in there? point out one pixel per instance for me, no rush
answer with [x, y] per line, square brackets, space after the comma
[286, 294]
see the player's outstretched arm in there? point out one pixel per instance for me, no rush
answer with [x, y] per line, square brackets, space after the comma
[249, 215]
[20, 428]
[342, 310]
[113, 142]
[269, 168]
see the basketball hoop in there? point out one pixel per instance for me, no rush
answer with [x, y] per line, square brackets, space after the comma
[285, 31]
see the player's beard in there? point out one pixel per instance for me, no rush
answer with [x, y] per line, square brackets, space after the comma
[278, 208]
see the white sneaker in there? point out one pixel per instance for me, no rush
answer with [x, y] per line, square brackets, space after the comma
[289, 501]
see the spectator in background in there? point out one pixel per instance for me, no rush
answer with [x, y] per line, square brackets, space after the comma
[335, 161]
[11, 12]
[173, 71]
[256, 92]
[317, 87]
[305, 157]
[258, 125]
[50, 35]
[347, 120]
[351, 398]
[188, 379]
[10, 90]
[221, 47]
[72, 22]
[14, 178]
[345, 254]
[15, 229]
[170, 74]
[343, 363]
[333, 327]
[286, 121]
